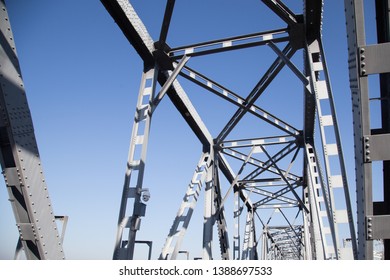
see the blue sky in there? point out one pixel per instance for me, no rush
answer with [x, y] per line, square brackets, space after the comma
[82, 79]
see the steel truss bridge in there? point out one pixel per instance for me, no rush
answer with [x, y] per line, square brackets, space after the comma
[287, 182]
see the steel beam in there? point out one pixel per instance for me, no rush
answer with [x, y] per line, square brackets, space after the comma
[237, 100]
[231, 43]
[220, 216]
[166, 22]
[370, 144]
[209, 211]
[267, 78]
[383, 34]
[135, 169]
[282, 11]
[135, 31]
[302, 32]
[19, 157]
[187, 207]
[333, 159]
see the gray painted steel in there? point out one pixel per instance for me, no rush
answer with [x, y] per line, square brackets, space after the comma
[133, 191]
[370, 144]
[270, 184]
[20, 159]
[319, 193]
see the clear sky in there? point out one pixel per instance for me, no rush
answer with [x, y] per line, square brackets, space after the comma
[82, 78]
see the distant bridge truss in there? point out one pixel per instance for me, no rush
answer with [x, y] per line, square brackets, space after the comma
[270, 182]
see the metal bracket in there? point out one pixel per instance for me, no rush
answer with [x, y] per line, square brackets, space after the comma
[374, 59]
[27, 231]
[376, 147]
[140, 209]
[377, 227]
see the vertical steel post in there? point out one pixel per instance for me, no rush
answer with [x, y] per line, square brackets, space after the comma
[133, 183]
[264, 244]
[361, 116]
[248, 251]
[317, 230]
[371, 144]
[209, 211]
[187, 207]
[383, 33]
[237, 236]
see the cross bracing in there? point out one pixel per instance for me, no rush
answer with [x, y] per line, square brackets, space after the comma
[271, 186]
[274, 172]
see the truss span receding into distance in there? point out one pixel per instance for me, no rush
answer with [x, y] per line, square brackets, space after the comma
[284, 183]
[271, 176]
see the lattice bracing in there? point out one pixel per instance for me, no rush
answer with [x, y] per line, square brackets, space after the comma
[284, 192]
[271, 180]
